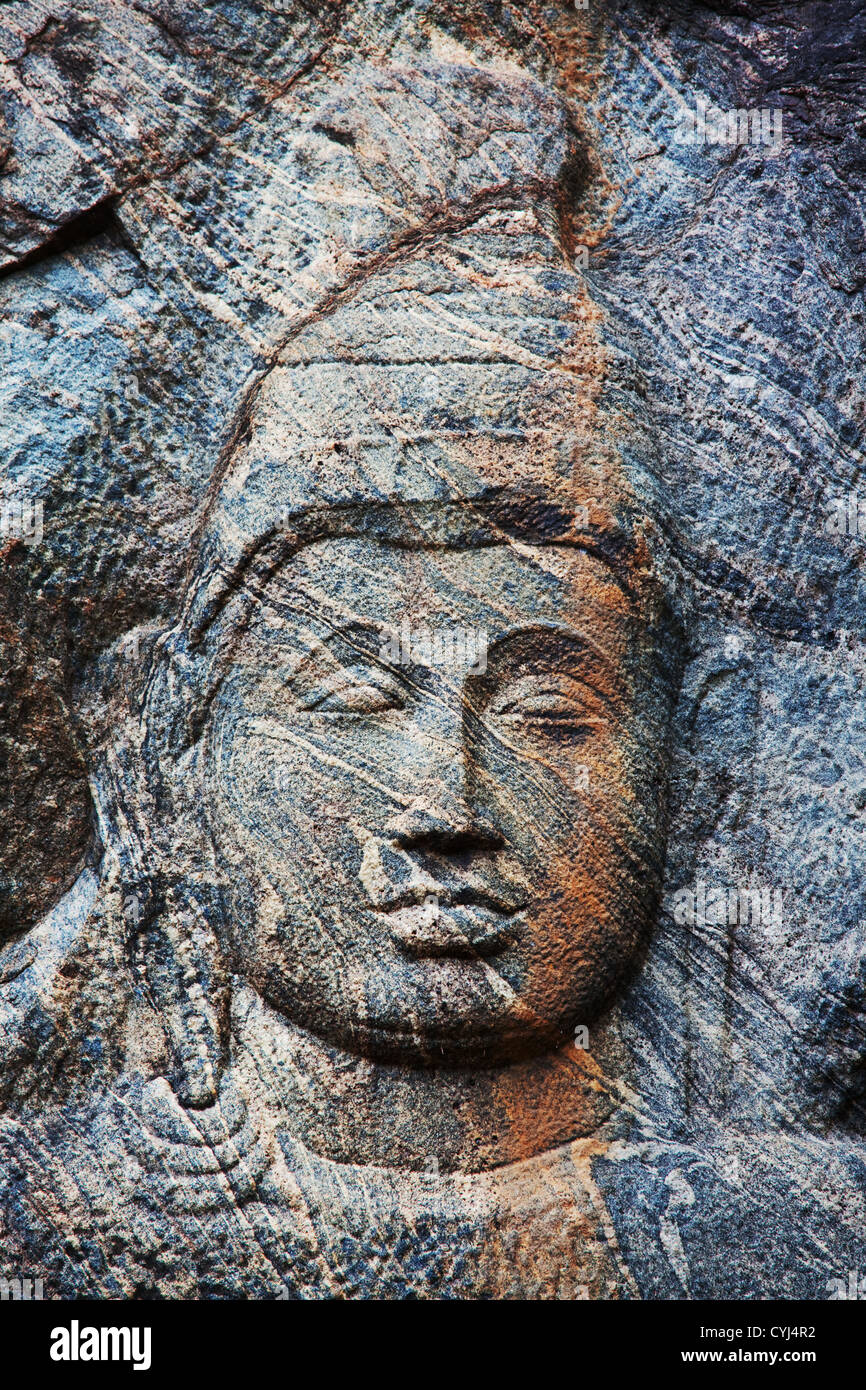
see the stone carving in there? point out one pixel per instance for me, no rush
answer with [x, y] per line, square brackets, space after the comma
[387, 913]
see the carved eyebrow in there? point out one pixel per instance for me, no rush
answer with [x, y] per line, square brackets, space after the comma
[353, 627]
[343, 632]
[562, 632]
[496, 645]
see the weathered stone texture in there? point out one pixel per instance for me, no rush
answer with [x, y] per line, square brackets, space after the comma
[378, 313]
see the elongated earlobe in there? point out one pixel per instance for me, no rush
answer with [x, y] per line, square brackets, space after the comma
[181, 967]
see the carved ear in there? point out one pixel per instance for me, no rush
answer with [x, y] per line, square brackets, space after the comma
[180, 967]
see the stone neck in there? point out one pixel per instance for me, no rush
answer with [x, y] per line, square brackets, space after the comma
[351, 1109]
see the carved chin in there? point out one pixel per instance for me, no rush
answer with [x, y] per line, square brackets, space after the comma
[440, 1003]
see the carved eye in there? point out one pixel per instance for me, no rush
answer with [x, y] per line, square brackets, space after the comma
[355, 691]
[545, 703]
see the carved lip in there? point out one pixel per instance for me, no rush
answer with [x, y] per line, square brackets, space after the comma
[450, 895]
[462, 924]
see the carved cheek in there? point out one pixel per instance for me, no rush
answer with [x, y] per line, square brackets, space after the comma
[568, 814]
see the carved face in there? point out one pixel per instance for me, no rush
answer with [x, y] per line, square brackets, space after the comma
[434, 777]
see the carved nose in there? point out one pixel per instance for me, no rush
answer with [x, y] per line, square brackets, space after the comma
[444, 822]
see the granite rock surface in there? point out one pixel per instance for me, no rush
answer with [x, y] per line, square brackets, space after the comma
[333, 963]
